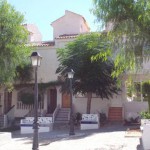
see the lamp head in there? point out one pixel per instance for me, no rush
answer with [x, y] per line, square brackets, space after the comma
[35, 59]
[71, 74]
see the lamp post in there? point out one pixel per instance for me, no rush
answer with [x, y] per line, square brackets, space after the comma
[36, 61]
[70, 76]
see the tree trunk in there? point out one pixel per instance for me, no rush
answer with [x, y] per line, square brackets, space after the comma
[89, 97]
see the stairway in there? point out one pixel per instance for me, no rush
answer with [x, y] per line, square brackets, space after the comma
[62, 116]
[115, 114]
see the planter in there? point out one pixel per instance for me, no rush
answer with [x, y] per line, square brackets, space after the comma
[143, 122]
[89, 121]
[145, 127]
[45, 124]
[146, 136]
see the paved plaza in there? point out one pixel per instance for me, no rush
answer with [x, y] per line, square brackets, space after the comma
[109, 137]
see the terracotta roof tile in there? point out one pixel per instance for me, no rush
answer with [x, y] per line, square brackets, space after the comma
[67, 36]
[42, 44]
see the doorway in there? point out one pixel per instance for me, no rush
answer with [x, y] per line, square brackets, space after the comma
[66, 100]
[7, 101]
[52, 101]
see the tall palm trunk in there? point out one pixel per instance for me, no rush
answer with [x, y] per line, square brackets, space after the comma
[89, 97]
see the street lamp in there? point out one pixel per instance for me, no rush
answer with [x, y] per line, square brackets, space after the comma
[70, 76]
[36, 61]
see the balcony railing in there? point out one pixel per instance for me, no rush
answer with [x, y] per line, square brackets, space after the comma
[20, 105]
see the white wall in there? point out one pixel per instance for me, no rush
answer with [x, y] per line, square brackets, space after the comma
[134, 108]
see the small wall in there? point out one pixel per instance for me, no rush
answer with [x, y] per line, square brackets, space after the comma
[133, 109]
[10, 117]
[146, 136]
[45, 124]
[97, 104]
[90, 121]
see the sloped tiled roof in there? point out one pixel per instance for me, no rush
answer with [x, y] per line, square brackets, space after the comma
[43, 43]
[70, 36]
[67, 36]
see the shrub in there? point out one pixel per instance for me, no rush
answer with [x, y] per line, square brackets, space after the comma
[28, 98]
[145, 115]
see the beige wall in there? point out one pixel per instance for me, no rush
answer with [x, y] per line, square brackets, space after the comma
[133, 109]
[97, 104]
[34, 33]
[49, 63]
[70, 23]
[60, 43]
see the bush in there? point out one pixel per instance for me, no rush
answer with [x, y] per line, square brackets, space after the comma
[28, 98]
[78, 117]
[145, 115]
[103, 118]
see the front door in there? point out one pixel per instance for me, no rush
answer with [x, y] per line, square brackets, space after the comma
[52, 101]
[7, 101]
[66, 100]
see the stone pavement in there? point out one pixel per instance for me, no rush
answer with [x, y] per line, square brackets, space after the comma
[109, 137]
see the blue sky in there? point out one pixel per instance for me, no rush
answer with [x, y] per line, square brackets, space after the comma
[43, 12]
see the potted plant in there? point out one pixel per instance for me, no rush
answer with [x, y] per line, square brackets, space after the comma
[78, 118]
[145, 118]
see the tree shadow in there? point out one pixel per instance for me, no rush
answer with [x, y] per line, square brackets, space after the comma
[63, 134]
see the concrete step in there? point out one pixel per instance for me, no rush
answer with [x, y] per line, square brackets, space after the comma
[58, 126]
[62, 115]
[62, 121]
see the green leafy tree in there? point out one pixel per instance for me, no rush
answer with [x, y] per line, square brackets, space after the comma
[24, 73]
[130, 34]
[90, 76]
[13, 40]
